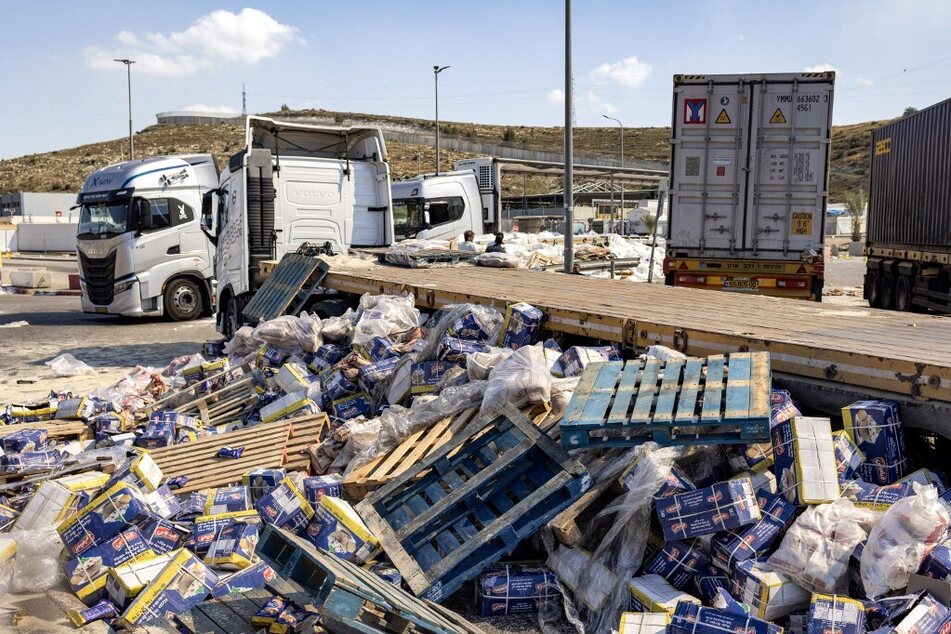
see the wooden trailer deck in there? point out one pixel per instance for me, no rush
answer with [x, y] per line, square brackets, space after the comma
[904, 354]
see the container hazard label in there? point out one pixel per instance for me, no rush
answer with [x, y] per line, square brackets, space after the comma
[801, 223]
[723, 118]
[695, 111]
[883, 147]
[778, 116]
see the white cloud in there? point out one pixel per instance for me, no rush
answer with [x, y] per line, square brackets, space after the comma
[202, 107]
[592, 104]
[211, 41]
[821, 68]
[863, 82]
[629, 72]
[556, 96]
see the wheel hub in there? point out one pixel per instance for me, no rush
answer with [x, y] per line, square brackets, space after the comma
[184, 299]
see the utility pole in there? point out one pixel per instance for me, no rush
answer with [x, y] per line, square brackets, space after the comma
[569, 150]
[622, 160]
[436, 71]
[128, 69]
[244, 101]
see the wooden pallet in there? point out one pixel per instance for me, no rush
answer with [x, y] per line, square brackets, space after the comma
[191, 394]
[231, 402]
[672, 402]
[270, 445]
[56, 429]
[348, 597]
[363, 480]
[288, 286]
[472, 501]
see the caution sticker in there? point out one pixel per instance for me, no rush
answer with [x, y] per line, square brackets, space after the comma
[723, 117]
[802, 223]
[778, 116]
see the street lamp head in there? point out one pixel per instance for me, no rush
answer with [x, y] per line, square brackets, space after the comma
[124, 61]
[437, 69]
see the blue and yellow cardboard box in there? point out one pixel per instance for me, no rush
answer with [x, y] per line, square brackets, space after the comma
[517, 588]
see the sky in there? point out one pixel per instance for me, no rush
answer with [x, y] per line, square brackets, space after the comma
[60, 86]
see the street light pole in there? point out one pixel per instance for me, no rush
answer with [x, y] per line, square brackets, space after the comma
[622, 160]
[568, 197]
[436, 71]
[128, 70]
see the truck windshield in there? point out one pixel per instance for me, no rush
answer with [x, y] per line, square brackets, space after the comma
[104, 218]
[407, 217]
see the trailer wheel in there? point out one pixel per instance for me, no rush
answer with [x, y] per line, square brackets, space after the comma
[183, 300]
[873, 288]
[903, 293]
[888, 291]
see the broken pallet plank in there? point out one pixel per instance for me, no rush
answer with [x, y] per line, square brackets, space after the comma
[472, 501]
[56, 429]
[709, 400]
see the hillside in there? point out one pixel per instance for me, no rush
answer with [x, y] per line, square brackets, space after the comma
[65, 170]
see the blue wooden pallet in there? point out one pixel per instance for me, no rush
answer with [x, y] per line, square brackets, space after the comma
[722, 399]
[465, 506]
[350, 598]
[284, 287]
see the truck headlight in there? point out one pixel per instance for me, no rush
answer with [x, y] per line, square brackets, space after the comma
[123, 286]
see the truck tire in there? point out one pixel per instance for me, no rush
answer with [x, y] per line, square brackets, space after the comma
[232, 318]
[903, 293]
[183, 300]
[873, 288]
[888, 291]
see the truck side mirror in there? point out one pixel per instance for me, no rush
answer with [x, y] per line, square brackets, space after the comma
[206, 215]
[143, 214]
[426, 221]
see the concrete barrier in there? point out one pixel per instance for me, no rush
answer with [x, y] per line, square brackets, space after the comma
[37, 278]
[44, 237]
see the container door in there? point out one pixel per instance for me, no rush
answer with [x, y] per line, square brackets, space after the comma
[710, 145]
[790, 131]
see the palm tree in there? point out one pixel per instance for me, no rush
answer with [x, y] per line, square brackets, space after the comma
[855, 202]
[650, 221]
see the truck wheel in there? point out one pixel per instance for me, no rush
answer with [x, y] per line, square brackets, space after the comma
[888, 291]
[873, 288]
[903, 293]
[232, 319]
[183, 300]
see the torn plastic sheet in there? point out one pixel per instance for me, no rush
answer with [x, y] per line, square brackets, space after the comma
[384, 316]
[378, 435]
[485, 319]
[901, 539]
[522, 379]
[620, 548]
[68, 365]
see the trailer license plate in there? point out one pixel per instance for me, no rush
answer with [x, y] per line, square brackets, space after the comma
[102, 309]
[741, 285]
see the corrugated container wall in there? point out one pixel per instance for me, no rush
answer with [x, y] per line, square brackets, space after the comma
[749, 164]
[910, 192]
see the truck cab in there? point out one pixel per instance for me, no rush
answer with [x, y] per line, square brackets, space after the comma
[140, 247]
[443, 206]
[294, 183]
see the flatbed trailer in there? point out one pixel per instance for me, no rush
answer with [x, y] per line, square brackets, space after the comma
[836, 353]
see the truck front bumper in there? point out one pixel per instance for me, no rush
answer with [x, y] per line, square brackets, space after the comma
[128, 303]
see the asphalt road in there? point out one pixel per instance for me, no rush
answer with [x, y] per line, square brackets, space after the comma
[110, 345]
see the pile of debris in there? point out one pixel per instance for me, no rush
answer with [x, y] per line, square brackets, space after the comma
[385, 461]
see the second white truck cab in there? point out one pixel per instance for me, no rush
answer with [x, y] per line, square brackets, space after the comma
[294, 183]
[443, 206]
[140, 247]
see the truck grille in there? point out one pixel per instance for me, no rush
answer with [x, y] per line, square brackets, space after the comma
[99, 276]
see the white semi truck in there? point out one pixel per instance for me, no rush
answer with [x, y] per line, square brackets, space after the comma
[140, 247]
[297, 183]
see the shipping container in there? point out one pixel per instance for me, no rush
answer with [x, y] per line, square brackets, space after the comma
[749, 173]
[909, 212]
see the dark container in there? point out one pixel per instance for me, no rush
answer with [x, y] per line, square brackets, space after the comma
[909, 202]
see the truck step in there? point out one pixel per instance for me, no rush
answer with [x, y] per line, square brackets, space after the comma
[721, 399]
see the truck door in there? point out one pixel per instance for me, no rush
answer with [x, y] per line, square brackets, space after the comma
[790, 130]
[231, 260]
[158, 248]
[709, 148]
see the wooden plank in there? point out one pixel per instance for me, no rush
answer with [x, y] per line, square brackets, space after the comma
[644, 404]
[56, 429]
[687, 400]
[737, 387]
[713, 391]
[625, 392]
[667, 397]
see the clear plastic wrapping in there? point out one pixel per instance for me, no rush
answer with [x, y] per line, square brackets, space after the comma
[287, 333]
[37, 564]
[901, 540]
[520, 380]
[497, 260]
[376, 436]
[480, 364]
[485, 319]
[815, 550]
[384, 316]
[68, 365]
